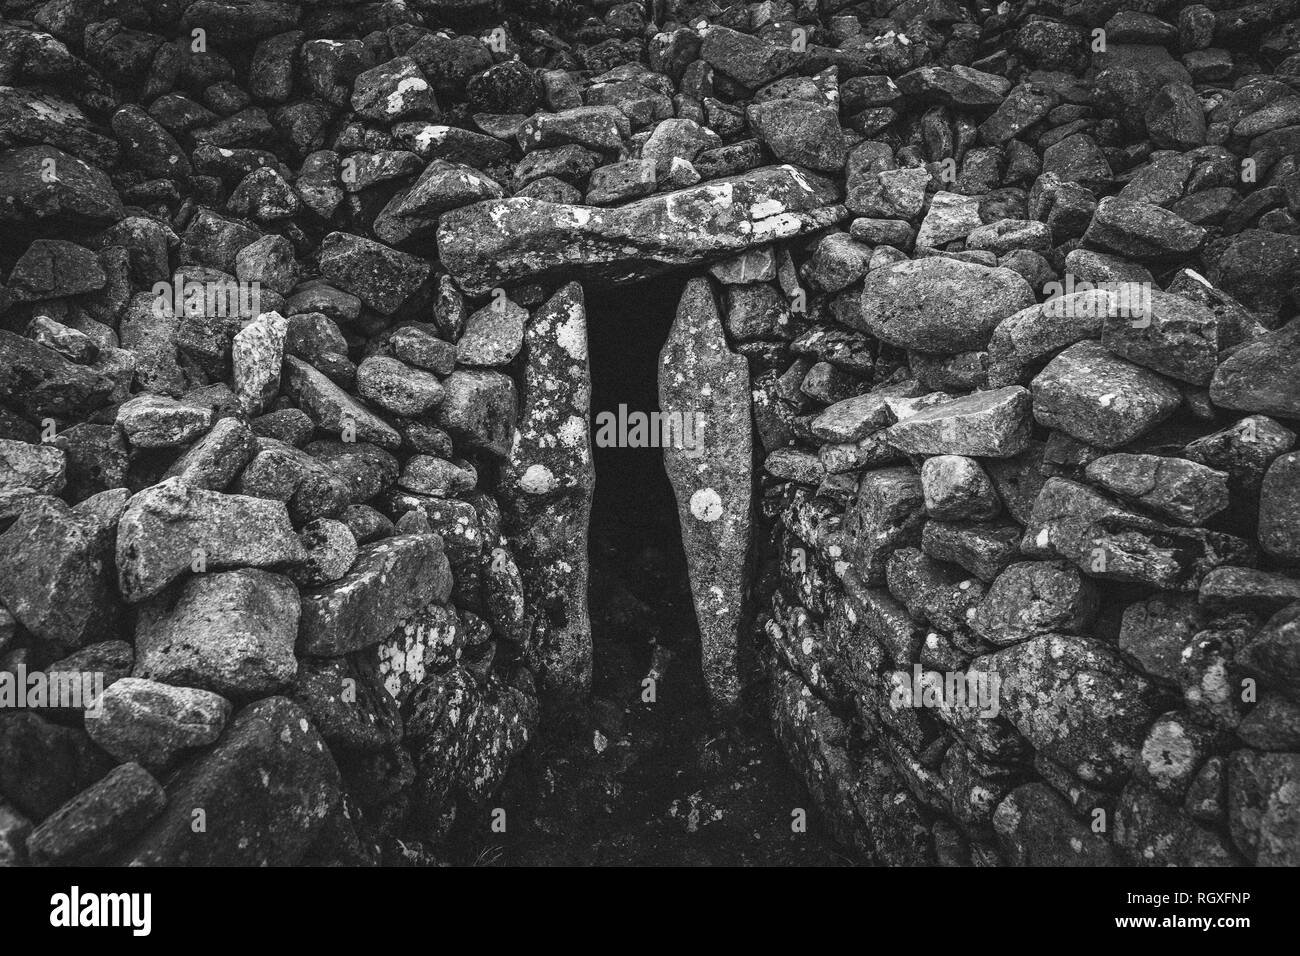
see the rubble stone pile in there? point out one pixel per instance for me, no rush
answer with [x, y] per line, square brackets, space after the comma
[991, 325]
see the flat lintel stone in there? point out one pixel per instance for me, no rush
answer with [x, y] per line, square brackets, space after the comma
[493, 243]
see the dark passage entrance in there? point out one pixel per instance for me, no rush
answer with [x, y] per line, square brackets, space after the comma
[646, 781]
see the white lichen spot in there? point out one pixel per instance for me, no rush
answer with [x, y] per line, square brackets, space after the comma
[428, 136]
[571, 335]
[574, 432]
[706, 505]
[538, 480]
[397, 98]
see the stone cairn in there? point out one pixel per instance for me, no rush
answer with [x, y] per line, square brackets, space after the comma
[294, 419]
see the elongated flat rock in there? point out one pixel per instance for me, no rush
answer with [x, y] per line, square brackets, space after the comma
[265, 790]
[493, 243]
[169, 530]
[546, 488]
[992, 424]
[389, 582]
[710, 467]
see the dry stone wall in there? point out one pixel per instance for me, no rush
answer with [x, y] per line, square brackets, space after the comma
[992, 326]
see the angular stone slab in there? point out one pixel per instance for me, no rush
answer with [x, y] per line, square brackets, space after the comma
[1185, 491]
[493, 243]
[1263, 376]
[40, 381]
[1173, 336]
[256, 355]
[478, 409]
[98, 820]
[265, 790]
[334, 410]
[442, 186]
[42, 468]
[991, 424]
[1141, 230]
[165, 525]
[712, 475]
[887, 514]
[1077, 702]
[545, 491]
[1104, 540]
[855, 418]
[1034, 333]
[232, 632]
[390, 580]
[157, 421]
[381, 277]
[56, 573]
[1099, 398]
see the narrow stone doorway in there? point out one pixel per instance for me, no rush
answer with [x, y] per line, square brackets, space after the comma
[640, 594]
[652, 773]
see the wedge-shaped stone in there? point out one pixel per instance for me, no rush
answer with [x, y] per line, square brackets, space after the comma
[333, 409]
[702, 382]
[442, 186]
[1263, 376]
[1183, 490]
[992, 424]
[99, 820]
[40, 381]
[156, 421]
[887, 514]
[1033, 334]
